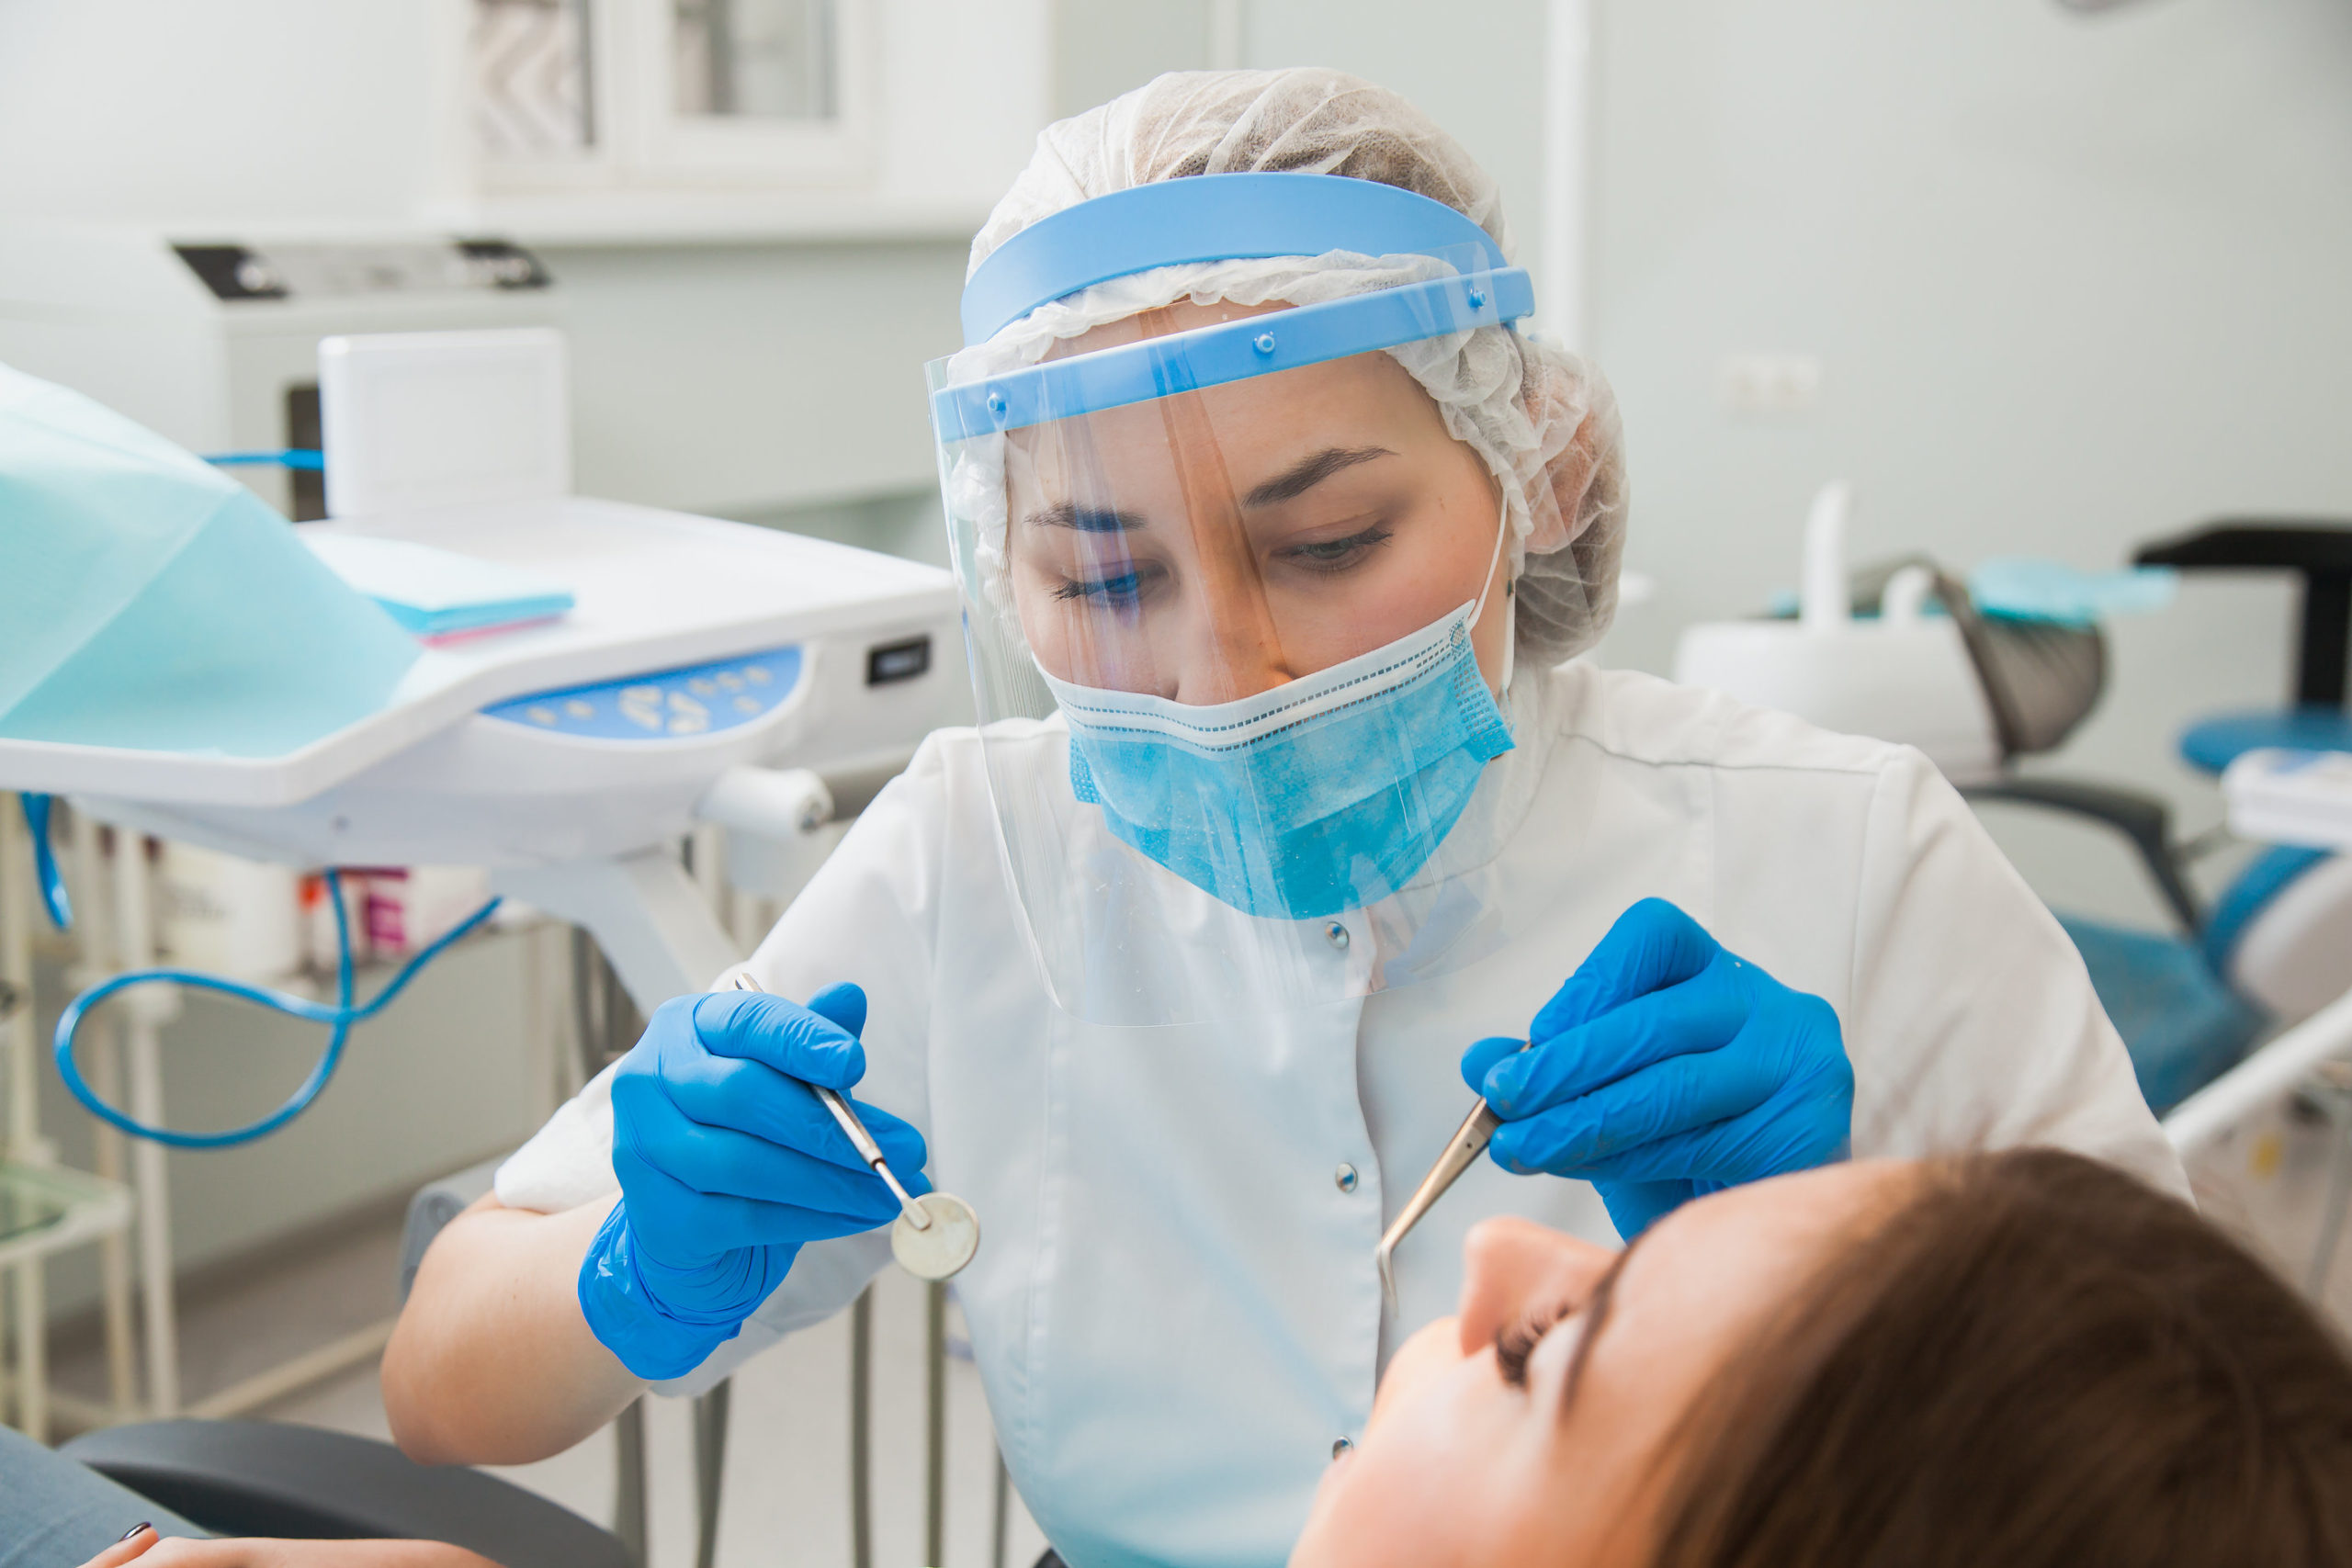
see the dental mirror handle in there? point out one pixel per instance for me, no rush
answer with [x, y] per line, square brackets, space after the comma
[859, 1138]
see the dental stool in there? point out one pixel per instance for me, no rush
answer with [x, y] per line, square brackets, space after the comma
[263, 1478]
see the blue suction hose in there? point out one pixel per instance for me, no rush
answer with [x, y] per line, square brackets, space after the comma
[52, 887]
[339, 1017]
[302, 457]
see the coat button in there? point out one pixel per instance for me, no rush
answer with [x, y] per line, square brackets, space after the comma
[1345, 1177]
[1341, 1446]
[1338, 933]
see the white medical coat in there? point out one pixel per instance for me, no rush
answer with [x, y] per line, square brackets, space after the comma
[1174, 1307]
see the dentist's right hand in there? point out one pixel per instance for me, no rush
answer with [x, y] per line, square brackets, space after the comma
[728, 1164]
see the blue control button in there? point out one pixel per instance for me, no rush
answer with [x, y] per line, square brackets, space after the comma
[701, 699]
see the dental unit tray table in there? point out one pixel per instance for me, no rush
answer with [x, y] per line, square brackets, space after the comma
[570, 757]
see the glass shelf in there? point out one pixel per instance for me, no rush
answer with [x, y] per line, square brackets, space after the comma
[46, 1209]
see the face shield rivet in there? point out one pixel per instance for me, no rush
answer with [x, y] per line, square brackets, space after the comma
[1338, 933]
[1477, 299]
[1345, 1177]
[1263, 342]
[1340, 1447]
[997, 405]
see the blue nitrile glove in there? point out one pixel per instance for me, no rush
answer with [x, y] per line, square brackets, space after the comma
[1666, 1067]
[728, 1163]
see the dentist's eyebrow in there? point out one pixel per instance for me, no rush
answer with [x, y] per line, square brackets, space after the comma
[1086, 519]
[1308, 472]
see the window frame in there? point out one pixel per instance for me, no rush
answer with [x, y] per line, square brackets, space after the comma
[640, 143]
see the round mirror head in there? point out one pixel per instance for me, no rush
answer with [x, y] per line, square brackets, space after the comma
[945, 1246]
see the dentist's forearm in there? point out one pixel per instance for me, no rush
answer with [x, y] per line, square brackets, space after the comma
[492, 1362]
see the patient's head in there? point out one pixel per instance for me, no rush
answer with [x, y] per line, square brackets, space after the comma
[2023, 1358]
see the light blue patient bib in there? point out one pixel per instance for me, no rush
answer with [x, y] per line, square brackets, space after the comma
[153, 602]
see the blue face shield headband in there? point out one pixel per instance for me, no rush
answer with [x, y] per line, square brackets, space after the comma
[1208, 217]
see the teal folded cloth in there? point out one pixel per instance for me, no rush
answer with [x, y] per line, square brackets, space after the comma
[2029, 590]
[436, 592]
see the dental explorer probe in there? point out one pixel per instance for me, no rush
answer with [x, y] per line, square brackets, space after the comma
[1469, 1141]
[935, 1235]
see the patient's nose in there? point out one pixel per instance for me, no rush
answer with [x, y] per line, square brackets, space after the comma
[1512, 1268]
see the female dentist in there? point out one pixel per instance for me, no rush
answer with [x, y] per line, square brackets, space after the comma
[1283, 818]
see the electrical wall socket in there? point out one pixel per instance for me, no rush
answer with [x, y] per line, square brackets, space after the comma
[1768, 383]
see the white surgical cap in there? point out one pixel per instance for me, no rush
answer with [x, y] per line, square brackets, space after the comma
[1544, 420]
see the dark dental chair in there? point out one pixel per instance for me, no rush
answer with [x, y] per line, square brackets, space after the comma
[263, 1478]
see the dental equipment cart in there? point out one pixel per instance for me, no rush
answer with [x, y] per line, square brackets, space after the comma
[707, 672]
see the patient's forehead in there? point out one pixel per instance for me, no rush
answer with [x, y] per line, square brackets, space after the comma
[1748, 1246]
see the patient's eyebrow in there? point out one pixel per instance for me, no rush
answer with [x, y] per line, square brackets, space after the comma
[1597, 1310]
[1310, 472]
[1086, 519]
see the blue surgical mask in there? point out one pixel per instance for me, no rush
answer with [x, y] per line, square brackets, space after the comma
[1322, 794]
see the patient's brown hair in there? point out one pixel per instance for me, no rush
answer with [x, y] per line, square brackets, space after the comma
[2035, 1360]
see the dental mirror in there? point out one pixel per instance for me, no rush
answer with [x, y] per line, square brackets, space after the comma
[944, 1246]
[935, 1235]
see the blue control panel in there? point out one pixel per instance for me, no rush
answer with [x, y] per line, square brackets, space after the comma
[701, 699]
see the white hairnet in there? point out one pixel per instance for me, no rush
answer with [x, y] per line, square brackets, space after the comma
[1544, 420]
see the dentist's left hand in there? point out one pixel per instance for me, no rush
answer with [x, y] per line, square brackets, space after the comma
[728, 1164]
[1668, 1068]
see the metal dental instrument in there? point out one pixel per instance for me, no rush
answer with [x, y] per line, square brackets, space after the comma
[1469, 1141]
[860, 1139]
[934, 1235]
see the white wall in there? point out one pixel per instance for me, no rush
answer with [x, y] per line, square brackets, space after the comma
[231, 111]
[742, 378]
[2074, 283]
[1478, 71]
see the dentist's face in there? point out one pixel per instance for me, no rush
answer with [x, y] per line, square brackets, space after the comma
[1208, 546]
[1480, 1452]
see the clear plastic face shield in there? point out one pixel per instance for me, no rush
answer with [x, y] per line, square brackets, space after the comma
[1237, 602]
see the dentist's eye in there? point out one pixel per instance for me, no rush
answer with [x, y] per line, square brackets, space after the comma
[1516, 1341]
[1122, 591]
[1339, 555]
